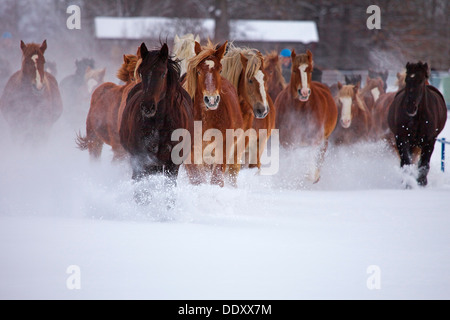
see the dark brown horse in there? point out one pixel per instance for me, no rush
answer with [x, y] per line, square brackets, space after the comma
[217, 109]
[306, 111]
[416, 117]
[244, 68]
[102, 119]
[275, 80]
[354, 118]
[154, 109]
[31, 102]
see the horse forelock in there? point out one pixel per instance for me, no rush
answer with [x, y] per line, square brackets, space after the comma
[190, 83]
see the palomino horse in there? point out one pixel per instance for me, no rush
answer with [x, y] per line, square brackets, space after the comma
[416, 117]
[183, 49]
[244, 68]
[154, 109]
[354, 117]
[306, 111]
[31, 102]
[102, 119]
[216, 105]
[275, 80]
[380, 112]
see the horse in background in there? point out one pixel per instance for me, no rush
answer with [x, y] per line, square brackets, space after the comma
[216, 105]
[354, 118]
[31, 102]
[381, 129]
[183, 49]
[372, 91]
[382, 75]
[102, 119]
[154, 109]
[416, 117]
[275, 80]
[244, 68]
[354, 80]
[306, 111]
[76, 90]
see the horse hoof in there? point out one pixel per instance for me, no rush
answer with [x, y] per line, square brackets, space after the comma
[422, 181]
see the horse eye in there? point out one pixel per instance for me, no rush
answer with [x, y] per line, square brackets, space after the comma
[250, 81]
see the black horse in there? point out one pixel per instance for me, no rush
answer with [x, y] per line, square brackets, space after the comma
[155, 108]
[416, 117]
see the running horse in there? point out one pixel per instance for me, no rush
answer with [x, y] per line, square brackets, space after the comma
[31, 102]
[102, 118]
[275, 80]
[216, 107]
[354, 118]
[154, 109]
[416, 117]
[244, 68]
[306, 111]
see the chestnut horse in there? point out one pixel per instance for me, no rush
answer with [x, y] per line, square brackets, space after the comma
[275, 80]
[183, 49]
[372, 91]
[154, 109]
[244, 68]
[102, 119]
[416, 117]
[216, 105]
[380, 112]
[306, 111]
[382, 75]
[31, 102]
[354, 117]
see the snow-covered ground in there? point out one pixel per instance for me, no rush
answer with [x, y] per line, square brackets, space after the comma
[357, 234]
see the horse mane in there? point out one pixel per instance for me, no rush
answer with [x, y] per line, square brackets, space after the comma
[190, 83]
[183, 49]
[301, 59]
[127, 68]
[232, 65]
[348, 91]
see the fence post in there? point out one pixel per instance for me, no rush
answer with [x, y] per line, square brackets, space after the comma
[443, 155]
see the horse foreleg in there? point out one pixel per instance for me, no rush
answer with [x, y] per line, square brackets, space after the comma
[424, 163]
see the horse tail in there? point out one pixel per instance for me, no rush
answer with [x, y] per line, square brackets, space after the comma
[82, 142]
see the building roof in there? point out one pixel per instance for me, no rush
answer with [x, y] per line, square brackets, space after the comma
[240, 30]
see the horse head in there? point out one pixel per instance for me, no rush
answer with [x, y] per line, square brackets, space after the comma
[33, 63]
[347, 103]
[417, 75]
[153, 74]
[302, 67]
[353, 80]
[252, 85]
[207, 67]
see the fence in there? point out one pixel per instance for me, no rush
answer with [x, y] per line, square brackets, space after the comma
[443, 143]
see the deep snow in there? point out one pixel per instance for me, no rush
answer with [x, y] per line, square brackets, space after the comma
[274, 237]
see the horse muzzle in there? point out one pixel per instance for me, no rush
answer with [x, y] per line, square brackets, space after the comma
[303, 94]
[345, 123]
[260, 111]
[211, 101]
[148, 110]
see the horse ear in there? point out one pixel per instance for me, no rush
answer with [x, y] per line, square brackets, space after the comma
[197, 48]
[164, 52]
[144, 50]
[138, 52]
[293, 54]
[125, 59]
[177, 39]
[347, 80]
[359, 78]
[339, 85]
[221, 51]
[244, 61]
[22, 45]
[310, 55]
[197, 38]
[43, 46]
[408, 65]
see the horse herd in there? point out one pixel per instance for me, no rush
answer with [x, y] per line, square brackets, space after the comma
[225, 87]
